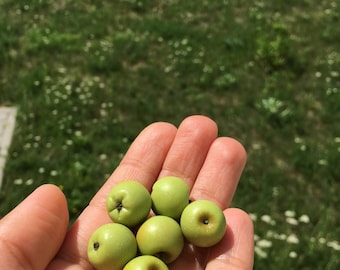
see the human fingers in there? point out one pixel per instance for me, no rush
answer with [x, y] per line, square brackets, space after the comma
[220, 173]
[32, 233]
[236, 249]
[142, 162]
[191, 145]
[213, 175]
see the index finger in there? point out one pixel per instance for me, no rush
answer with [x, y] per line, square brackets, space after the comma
[142, 163]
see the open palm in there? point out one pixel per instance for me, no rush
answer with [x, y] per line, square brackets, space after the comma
[35, 234]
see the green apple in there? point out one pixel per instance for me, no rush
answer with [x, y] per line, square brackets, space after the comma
[128, 203]
[111, 246]
[160, 236]
[146, 262]
[170, 195]
[203, 223]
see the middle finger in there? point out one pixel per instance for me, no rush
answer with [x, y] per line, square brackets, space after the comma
[189, 149]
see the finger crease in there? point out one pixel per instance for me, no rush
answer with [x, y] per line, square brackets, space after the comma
[14, 251]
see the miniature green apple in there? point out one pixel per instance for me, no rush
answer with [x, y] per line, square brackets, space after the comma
[146, 262]
[203, 223]
[170, 195]
[128, 203]
[160, 236]
[111, 246]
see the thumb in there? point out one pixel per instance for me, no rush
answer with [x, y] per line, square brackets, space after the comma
[32, 233]
[236, 250]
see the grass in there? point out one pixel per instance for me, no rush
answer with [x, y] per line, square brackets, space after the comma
[87, 76]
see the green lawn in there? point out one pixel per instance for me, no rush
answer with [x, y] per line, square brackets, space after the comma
[87, 76]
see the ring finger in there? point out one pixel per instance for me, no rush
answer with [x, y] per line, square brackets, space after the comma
[218, 178]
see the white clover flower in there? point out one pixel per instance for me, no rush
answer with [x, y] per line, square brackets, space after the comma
[103, 113]
[263, 243]
[289, 213]
[292, 239]
[322, 162]
[256, 146]
[292, 221]
[298, 140]
[27, 146]
[260, 252]
[304, 218]
[53, 173]
[271, 234]
[292, 254]
[275, 191]
[282, 236]
[334, 74]
[267, 219]
[78, 133]
[334, 245]
[69, 142]
[18, 181]
[102, 156]
[167, 69]
[322, 240]
[62, 70]
[253, 216]
[68, 87]
[29, 182]
[318, 74]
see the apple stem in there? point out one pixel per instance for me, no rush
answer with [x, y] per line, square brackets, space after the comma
[119, 206]
[95, 245]
[206, 221]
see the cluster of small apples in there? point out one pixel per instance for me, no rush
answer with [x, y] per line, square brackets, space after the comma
[138, 239]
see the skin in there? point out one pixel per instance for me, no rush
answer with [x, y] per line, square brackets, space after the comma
[192, 152]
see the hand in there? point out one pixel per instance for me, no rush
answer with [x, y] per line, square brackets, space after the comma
[35, 235]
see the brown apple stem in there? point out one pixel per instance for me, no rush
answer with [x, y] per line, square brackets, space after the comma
[119, 206]
[96, 245]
